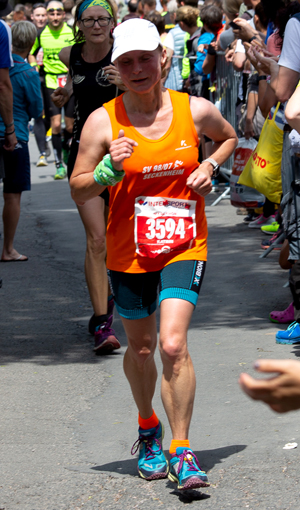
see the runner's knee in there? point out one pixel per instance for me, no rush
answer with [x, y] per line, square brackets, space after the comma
[172, 348]
[141, 351]
[96, 246]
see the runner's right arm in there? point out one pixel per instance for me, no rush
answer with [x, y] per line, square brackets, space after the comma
[95, 142]
[61, 95]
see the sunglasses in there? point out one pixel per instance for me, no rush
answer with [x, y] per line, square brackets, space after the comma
[52, 11]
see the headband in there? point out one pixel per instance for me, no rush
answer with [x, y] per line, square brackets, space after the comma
[90, 3]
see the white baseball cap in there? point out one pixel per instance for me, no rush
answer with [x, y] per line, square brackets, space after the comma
[134, 34]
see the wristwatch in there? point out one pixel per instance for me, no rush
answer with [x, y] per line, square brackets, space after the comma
[215, 166]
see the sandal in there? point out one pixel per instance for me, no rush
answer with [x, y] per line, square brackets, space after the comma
[284, 317]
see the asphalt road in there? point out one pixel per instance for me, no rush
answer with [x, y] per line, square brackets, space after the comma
[67, 420]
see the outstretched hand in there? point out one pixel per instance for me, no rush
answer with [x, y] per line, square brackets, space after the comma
[121, 149]
[282, 391]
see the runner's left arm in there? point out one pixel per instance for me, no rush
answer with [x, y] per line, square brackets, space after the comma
[209, 121]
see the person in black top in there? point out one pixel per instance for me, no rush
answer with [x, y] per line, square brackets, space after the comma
[93, 81]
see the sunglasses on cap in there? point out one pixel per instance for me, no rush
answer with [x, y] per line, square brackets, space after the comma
[52, 11]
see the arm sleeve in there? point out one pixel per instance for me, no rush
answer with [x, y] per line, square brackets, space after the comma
[290, 55]
[5, 45]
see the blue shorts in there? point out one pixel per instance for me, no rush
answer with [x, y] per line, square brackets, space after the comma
[135, 294]
[17, 169]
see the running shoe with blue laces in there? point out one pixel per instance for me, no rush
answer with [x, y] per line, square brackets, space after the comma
[290, 336]
[186, 471]
[152, 463]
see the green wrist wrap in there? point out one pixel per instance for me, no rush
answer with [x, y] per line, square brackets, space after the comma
[105, 174]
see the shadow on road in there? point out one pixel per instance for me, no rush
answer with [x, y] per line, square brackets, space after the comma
[208, 459]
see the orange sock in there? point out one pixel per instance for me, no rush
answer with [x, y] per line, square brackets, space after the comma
[148, 423]
[177, 442]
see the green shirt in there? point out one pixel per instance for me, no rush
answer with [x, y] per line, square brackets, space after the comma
[52, 41]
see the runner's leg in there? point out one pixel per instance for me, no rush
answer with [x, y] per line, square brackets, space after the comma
[92, 216]
[139, 364]
[178, 379]
[56, 137]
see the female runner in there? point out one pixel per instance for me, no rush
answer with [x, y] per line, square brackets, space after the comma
[94, 81]
[147, 144]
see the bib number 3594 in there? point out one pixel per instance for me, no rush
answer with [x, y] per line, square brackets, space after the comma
[162, 228]
[163, 225]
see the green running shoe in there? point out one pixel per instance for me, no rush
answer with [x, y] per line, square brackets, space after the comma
[186, 471]
[152, 463]
[270, 229]
[61, 172]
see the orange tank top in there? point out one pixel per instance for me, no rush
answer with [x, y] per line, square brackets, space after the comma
[154, 218]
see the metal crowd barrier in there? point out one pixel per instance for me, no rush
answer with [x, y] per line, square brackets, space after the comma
[224, 87]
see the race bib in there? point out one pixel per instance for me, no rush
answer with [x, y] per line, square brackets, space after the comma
[61, 80]
[163, 225]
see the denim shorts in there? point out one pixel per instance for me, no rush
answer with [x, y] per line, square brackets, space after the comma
[135, 294]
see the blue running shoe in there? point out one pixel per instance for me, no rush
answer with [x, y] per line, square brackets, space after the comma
[152, 463]
[186, 471]
[290, 336]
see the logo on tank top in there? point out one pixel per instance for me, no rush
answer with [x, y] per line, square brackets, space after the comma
[163, 170]
[78, 79]
[101, 78]
[183, 145]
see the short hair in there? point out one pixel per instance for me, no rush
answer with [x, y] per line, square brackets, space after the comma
[188, 15]
[68, 5]
[19, 8]
[232, 6]
[23, 34]
[172, 6]
[211, 16]
[55, 2]
[132, 5]
[38, 6]
[157, 19]
[150, 3]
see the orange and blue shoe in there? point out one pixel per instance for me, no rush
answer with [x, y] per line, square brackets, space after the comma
[185, 470]
[152, 463]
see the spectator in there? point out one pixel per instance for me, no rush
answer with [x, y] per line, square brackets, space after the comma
[148, 6]
[187, 18]
[169, 19]
[27, 103]
[132, 8]
[6, 92]
[174, 44]
[19, 13]
[68, 5]
[282, 392]
[159, 21]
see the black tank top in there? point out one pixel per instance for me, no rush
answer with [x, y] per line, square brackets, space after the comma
[90, 87]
